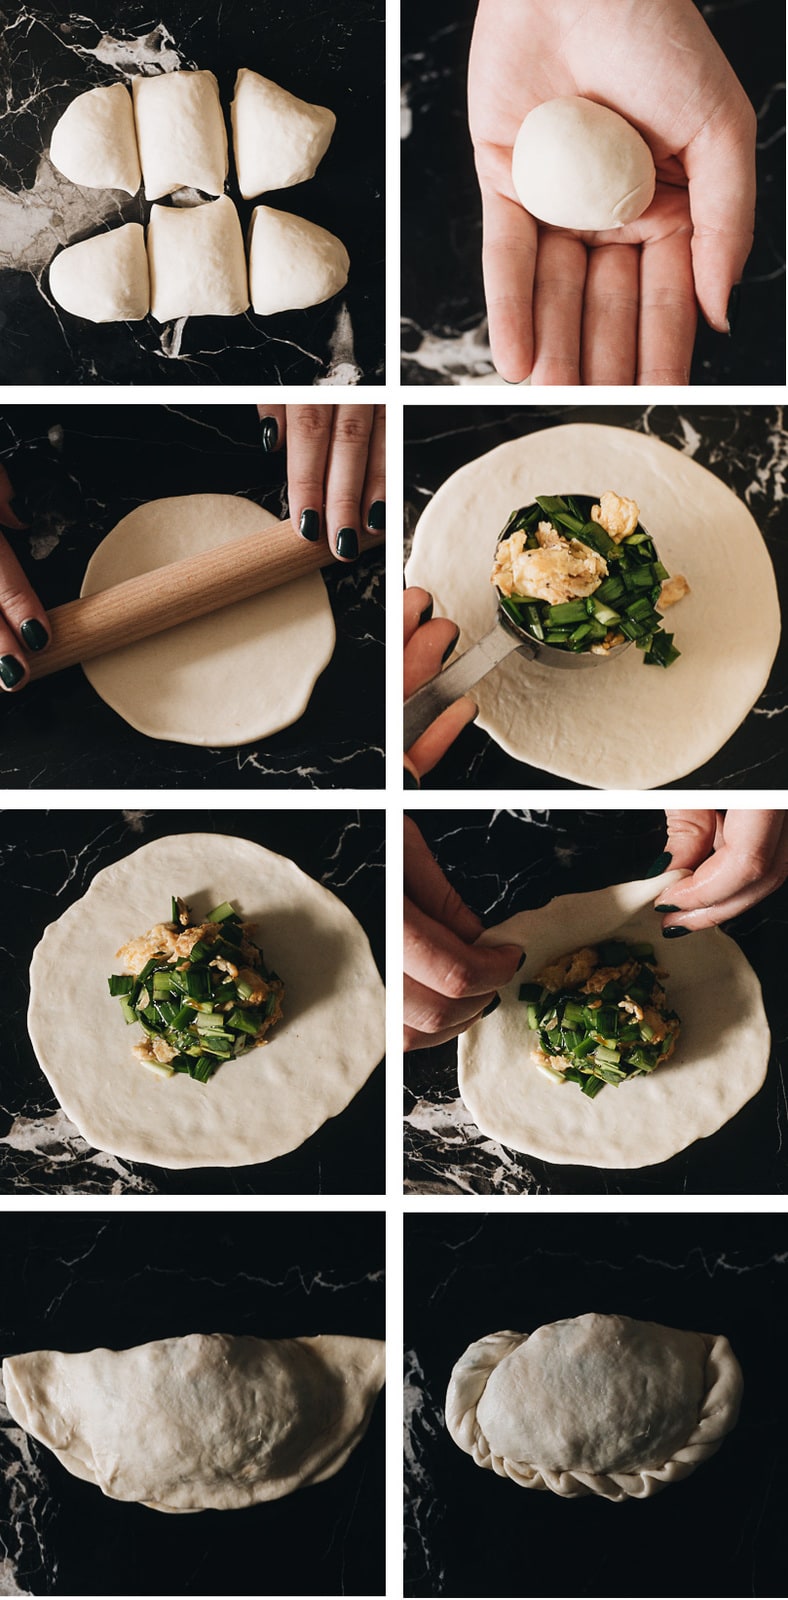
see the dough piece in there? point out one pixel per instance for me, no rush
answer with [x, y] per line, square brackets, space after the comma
[255, 1108]
[719, 1063]
[278, 139]
[666, 722]
[594, 1405]
[197, 261]
[225, 679]
[95, 141]
[180, 132]
[204, 1422]
[292, 262]
[104, 279]
[579, 165]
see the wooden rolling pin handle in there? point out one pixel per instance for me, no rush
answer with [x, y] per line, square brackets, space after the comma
[168, 596]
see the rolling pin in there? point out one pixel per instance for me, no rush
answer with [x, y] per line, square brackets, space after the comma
[164, 598]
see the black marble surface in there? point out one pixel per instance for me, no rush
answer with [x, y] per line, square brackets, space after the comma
[76, 1282]
[564, 852]
[444, 323]
[47, 862]
[720, 1531]
[745, 446]
[82, 468]
[52, 52]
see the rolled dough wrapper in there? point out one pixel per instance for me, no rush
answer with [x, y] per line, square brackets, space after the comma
[197, 261]
[595, 1404]
[94, 143]
[255, 1108]
[579, 165]
[180, 132]
[292, 263]
[204, 1422]
[104, 279]
[279, 140]
[719, 1063]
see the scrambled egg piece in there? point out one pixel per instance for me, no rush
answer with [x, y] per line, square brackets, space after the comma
[168, 939]
[561, 569]
[618, 516]
[566, 971]
[673, 590]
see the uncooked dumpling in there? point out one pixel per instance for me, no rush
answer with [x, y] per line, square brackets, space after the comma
[292, 262]
[594, 1405]
[204, 1422]
[94, 143]
[104, 279]
[579, 165]
[180, 133]
[279, 140]
[197, 261]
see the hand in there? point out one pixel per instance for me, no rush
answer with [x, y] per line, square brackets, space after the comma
[619, 306]
[336, 469]
[23, 620]
[428, 643]
[736, 858]
[450, 981]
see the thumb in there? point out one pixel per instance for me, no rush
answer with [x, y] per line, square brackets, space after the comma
[691, 837]
[720, 165]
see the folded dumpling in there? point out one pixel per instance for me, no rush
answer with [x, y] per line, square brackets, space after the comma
[594, 1404]
[206, 1421]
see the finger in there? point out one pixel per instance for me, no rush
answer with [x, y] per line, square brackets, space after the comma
[8, 517]
[720, 165]
[273, 427]
[20, 606]
[668, 312]
[610, 315]
[426, 651]
[431, 1018]
[308, 439]
[437, 958]
[752, 862]
[436, 739]
[558, 308]
[373, 499]
[13, 666]
[431, 890]
[690, 837]
[347, 467]
[508, 261]
[416, 610]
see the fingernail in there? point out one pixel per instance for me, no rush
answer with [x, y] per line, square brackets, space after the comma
[347, 544]
[734, 306]
[521, 962]
[11, 671]
[426, 614]
[409, 779]
[34, 634]
[660, 865]
[676, 932]
[449, 648]
[377, 516]
[493, 1006]
[309, 526]
[269, 433]
[667, 908]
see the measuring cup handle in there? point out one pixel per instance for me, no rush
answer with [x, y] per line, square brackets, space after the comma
[457, 679]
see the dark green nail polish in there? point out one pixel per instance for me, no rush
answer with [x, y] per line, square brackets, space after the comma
[377, 516]
[451, 646]
[269, 433]
[660, 865]
[521, 962]
[667, 908]
[676, 932]
[34, 634]
[309, 526]
[734, 306]
[426, 615]
[347, 544]
[493, 1006]
[409, 781]
[11, 671]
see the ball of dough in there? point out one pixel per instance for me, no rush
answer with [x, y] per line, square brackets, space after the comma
[180, 132]
[94, 143]
[579, 165]
[292, 263]
[104, 279]
[279, 140]
[197, 261]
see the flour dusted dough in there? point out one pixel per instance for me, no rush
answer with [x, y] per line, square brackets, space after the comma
[104, 279]
[224, 679]
[255, 1108]
[197, 261]
[594, 1405]
[579, 165]
[94, 143]
[719, 1063]
[279, 140]
[665, 723]
[292, 263]
[204, 1422]
[180, 132]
